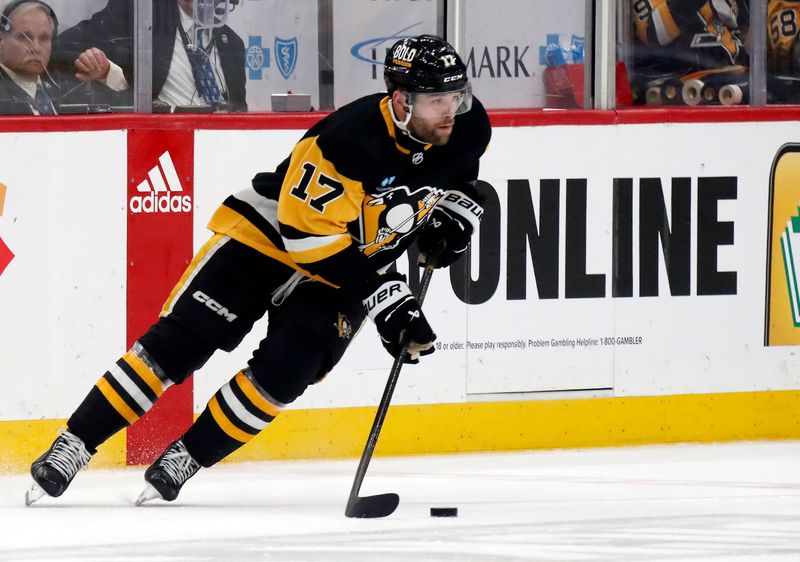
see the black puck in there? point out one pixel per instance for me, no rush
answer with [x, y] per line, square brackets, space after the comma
[444, 512]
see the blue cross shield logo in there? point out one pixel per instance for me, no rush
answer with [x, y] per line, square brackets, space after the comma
[286, 55]
[256, 57]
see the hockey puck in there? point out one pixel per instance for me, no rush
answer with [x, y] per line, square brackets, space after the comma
[444, 512]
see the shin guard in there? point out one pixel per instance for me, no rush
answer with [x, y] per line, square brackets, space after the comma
[121, 396]
[234, 415]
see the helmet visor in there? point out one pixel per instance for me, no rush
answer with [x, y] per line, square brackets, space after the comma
[441, 104]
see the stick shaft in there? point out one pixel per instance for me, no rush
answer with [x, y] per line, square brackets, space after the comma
[383, 406]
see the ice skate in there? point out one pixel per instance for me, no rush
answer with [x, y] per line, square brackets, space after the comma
[54, 470]
[168, 473]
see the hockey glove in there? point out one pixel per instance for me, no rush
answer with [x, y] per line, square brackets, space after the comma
[398, 318]
[448, 232]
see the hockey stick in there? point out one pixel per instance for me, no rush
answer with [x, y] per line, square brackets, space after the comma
[381, 505]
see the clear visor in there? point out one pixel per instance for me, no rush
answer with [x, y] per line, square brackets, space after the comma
[441, 104]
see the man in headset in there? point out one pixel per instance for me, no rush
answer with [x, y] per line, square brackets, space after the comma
[190, 68]
[309, 245]
[27, 29]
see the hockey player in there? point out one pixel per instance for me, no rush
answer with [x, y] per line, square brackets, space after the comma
[308, 245]
[674, 38]
[783, 51]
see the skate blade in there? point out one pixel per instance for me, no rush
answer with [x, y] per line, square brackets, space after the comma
[149, 493]
[34, 494]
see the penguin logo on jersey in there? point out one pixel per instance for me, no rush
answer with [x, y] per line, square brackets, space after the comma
[391, 216]
[343, 327]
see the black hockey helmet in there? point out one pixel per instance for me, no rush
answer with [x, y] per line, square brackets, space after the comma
[424, 64]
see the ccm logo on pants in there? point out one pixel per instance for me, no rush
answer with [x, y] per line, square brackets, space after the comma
[200, 296]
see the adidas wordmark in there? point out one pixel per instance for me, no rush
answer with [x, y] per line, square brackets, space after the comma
[161, 190]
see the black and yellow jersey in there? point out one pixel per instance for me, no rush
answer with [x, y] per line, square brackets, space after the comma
[783, 19]
[675, 37]
[354, 192]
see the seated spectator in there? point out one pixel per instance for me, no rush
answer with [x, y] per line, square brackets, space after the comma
[27, 28]
[211, 74]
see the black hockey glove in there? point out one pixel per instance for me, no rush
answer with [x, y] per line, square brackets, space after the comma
[447, 234]
[399, 318]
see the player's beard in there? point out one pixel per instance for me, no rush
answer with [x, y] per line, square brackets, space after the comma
[433, 131]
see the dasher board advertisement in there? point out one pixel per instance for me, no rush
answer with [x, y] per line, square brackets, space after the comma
[601, 266]
[62, 273]
[612, 260]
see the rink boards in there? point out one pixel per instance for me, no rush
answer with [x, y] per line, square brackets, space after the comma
[633, 282]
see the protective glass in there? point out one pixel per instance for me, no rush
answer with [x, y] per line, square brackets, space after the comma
[211, 13]
[441, 104]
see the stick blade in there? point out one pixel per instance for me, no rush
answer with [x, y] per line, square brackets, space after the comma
[372, 507]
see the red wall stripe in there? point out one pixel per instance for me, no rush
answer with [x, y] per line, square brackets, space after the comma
[159, 248]
[499, 118]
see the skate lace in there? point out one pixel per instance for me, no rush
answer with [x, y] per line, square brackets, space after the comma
[69, 454]
[179, 464]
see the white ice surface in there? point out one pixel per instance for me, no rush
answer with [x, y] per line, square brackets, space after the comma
[687, 503]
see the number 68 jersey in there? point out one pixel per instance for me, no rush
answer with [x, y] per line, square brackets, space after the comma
[354, 192]
[782, 28]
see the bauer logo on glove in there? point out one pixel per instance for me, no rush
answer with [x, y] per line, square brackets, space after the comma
[383, 297]
[448, 232]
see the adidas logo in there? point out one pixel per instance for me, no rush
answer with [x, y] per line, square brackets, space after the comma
[160, 191]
